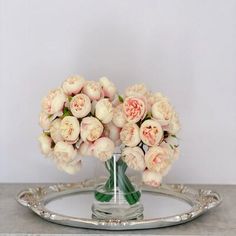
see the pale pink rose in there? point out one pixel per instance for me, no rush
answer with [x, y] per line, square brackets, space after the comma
[134, 109]
[129, 135]
[109, 89]
[70, 168]
[118, 116]
[64, 152]
[54, 101]
[86, 149]
[91, 129]
[70, 128]
[45, 144]
[162, 111]
[73, 84]
[93, 90]
[134, 158]
[136, 90]
[157, 159]
[44, 121]
[174, 126]
[80, 105]
[104, 110]
[113, 132]
[151, 132]
[55, 131]
[103, 148]
[152, 178]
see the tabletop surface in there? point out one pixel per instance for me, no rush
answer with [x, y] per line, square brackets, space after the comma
[18, 220]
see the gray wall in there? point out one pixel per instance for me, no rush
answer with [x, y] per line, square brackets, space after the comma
[185, 49]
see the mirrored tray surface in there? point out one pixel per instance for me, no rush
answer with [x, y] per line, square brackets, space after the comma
[70, 204]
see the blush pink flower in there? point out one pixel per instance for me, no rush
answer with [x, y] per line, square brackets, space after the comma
[73, 84]
[134, 109]
[129, 135]
[109, 89]
[103, 148]
[152, 178]
[113, 132]
[91, 129]
[93, 90]
[54, 101]
[118, 116]
[80, 105]
[151, 132]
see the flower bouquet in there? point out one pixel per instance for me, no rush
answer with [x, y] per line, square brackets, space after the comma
[90, 118]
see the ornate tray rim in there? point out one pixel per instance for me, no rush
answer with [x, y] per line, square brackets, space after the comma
[200, 200]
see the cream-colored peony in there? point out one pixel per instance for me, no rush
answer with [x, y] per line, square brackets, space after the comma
[73, 84]
[80, 105]
[129, 135]
[113, 132]
[118, 116]
[162, 111]
[134, 109]
[55, 131]
[45, 144]
[104, 110]
[90, 129]
[174, 125]
[152, 178]
[64, 152]
[71, 167]
[151, 132]
[44, 121]
[103, 148]
[92, 89]
[86, 149]
[156, 97]
[134, 158]
[70, 128]
[157, 159]
[54, 101]
[136, 90]
[109, 89]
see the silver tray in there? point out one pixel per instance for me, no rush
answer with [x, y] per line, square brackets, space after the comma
[70, 204]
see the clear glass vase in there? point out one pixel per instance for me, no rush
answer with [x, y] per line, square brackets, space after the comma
[119, 196]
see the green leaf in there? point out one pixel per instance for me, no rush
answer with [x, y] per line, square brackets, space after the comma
[120, 99]
[66, 112]
[174, 136]
[69, 98]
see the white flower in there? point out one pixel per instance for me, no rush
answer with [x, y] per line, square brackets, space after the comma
[108, 88]
[70, 128]
[86, 149]
[73, 84]
[71, 167]
[157, 159]
[134, 158]
[55, 131]
[54, 101]
[151, 132]
[80, 105]
[113, 132]
[136, 90]
[92, 89]
[152, 178]
[134, 109]
[129, 135]
[44, 121]
[162, 111]
[64, 152]
[103, 148]
[118, 116]
[91, 129]
[45, 144]
[104, 110]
